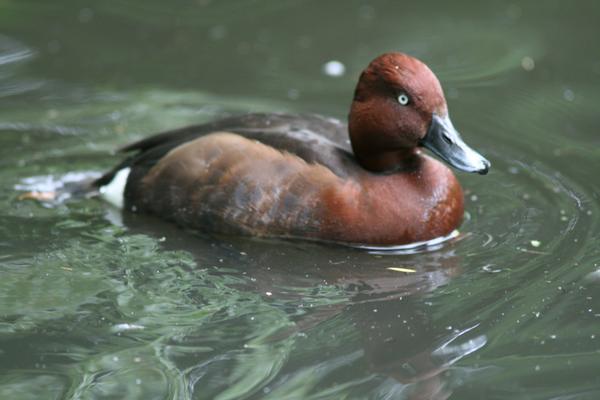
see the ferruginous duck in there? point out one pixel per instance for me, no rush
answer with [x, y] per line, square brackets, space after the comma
[298, 176]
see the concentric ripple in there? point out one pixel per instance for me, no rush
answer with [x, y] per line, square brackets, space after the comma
[95, 304]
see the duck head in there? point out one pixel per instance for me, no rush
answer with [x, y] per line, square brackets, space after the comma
[399, 106]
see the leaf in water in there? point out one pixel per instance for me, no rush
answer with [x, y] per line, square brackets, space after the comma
[401, 269]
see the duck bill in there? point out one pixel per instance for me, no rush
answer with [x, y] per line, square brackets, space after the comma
[445, 142]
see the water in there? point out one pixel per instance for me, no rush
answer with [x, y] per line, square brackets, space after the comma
[99, 305]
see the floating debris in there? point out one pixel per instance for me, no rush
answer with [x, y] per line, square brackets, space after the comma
[400, 269]
[38, 196]
[525, 250]
[489, 268]
[126, 327]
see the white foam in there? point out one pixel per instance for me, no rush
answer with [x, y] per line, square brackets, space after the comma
[412, 248]
[114, 191]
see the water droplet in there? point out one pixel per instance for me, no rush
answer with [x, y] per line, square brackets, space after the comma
[85, 15]
[218, 32]
[514, 11]
[334, 68]
[366, 12]
[569, 95]
[527, 63]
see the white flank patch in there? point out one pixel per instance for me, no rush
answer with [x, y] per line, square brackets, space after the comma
[114, 192]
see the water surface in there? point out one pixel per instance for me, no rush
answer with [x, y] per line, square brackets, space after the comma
[99, 305]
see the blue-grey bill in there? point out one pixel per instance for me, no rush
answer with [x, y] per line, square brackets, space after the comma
[445, 142]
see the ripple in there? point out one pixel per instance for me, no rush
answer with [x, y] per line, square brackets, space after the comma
[37, 384]
[12, 55]
[529, 232]
[12, 51]
[531, 191]
[236, 317]
[496, 56]
[49, 183]
[450, 351]
[412, 248]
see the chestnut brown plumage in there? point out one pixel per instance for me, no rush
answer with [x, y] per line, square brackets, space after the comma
[283, 175]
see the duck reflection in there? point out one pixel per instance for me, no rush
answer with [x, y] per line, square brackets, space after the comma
[384, 299]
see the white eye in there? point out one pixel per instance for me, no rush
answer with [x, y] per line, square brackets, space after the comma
[403, 99]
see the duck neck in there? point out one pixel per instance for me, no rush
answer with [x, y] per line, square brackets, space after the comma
[375, 148]
[390, 161]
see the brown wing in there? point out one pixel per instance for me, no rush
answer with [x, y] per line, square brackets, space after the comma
[228, 183]
[313, 138]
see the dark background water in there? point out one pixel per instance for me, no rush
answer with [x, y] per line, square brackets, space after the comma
[96, 305]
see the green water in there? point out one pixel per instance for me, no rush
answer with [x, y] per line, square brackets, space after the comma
[98, 305]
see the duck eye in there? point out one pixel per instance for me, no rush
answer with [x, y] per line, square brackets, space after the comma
[403, 99]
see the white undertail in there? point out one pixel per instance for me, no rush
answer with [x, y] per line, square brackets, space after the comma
[114, 191]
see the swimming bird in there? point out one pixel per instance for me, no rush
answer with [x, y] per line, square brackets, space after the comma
[367, 182]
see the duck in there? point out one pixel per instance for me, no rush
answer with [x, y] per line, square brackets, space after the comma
[281, 175]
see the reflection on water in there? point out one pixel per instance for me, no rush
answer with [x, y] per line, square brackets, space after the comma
[336, 296]
[95, 304]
